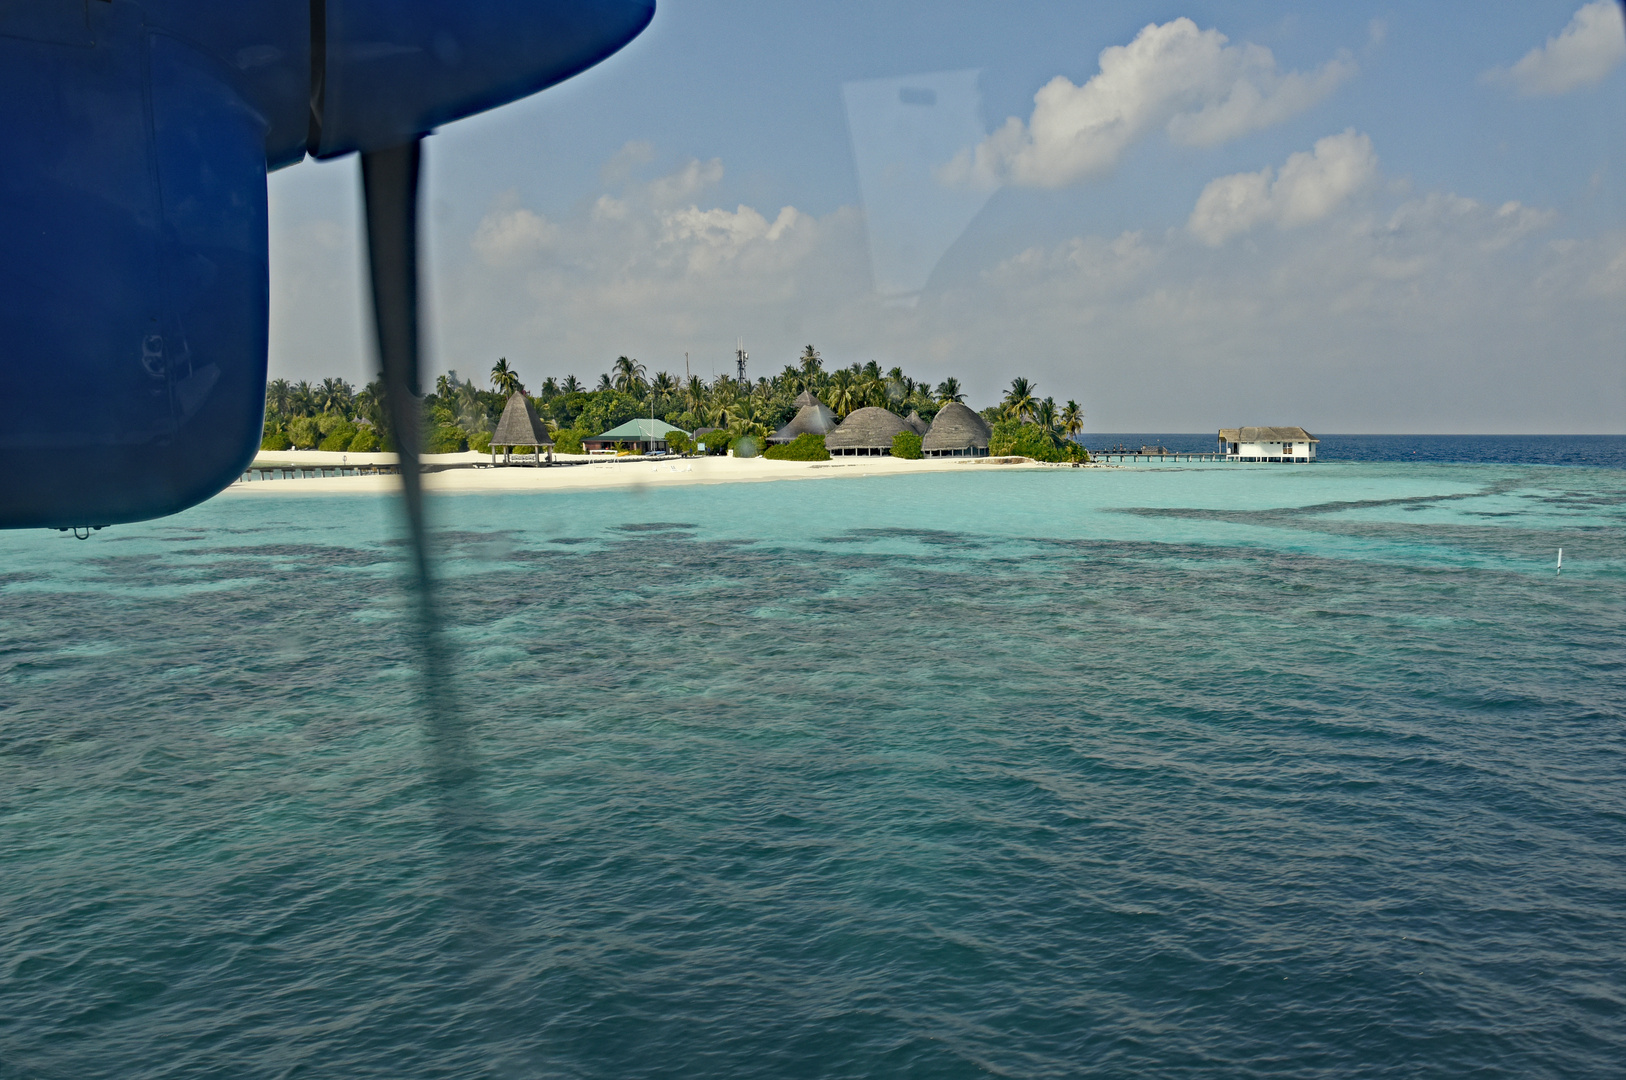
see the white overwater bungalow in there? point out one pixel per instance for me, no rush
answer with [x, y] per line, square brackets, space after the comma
[1287, 444]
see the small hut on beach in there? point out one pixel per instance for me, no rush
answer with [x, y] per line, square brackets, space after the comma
[915, 421]
[866, 431]
[956, 432]
[520, 428]
[813, 417]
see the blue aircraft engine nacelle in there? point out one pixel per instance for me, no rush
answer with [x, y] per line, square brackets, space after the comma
[135, 138]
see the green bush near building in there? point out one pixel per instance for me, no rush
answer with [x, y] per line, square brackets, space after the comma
[365, 442]
[568, 441]
[481, 441]
[906, 444]
[679, 443]
[805, 447]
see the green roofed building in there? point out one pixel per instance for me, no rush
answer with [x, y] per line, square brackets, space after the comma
[645, 434]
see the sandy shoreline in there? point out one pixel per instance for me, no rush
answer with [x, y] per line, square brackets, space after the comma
[595, 473]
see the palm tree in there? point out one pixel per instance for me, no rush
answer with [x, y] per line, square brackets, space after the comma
[949, 390]
[1019, 402]
[571, 385]
[550, 388]
[629, 375]
[336, 396]
[664, 387]
[694, 394]
[841, 392]
[504, 379]
[1072, 418]
[279, 397]
[1046, 416]
[812, 363]
[605, 383]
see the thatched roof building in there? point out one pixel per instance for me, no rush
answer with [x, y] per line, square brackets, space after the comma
[519, 427]
[956, 432]
[866, 431]
[812, 417]
[915, 421]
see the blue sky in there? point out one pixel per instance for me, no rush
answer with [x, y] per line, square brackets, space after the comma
[1439, 243]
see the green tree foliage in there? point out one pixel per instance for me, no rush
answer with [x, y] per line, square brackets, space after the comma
[1015, 438]
[805, 447]
[303, 434]
[906, 444]
[1019, 402]
[276, 439]
[445, 439]
[504, 379]
[1072, 418]
[481, 441]
[339, 438]
[679, 443]
[568, 441]
[365, 442]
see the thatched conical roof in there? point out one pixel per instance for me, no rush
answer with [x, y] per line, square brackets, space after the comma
[870, 428]
[812, 418]
[914, 421]
[520, 426]
[956, 428]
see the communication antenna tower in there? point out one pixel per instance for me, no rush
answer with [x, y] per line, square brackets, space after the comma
[739, 360]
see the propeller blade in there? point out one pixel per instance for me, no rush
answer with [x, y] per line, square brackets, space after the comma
[389, 183]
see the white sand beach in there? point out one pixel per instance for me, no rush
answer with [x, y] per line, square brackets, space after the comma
[471, 472]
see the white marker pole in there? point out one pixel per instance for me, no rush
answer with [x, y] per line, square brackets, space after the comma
[1560, 560]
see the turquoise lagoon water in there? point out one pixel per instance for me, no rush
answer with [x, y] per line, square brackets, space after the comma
[1299, 772]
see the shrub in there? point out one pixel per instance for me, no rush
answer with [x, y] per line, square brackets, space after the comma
[365, 442]
[1030, 440]
[275, 440]
[568, 441]
[481, 441]
[906, 444]
[445, 439]
[303, 433]
[679, 443]
[805, 447]
[339, 438]
[328, 423]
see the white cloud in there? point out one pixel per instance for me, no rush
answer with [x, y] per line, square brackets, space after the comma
[512, 234]
[1308, 188]
[1582, 54]
[1200, 89]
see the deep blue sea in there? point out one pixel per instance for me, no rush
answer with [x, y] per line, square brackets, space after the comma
[1180, 771]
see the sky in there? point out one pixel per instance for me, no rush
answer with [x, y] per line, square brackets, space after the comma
[1185, 216]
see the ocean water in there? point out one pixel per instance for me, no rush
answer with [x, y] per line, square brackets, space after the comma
[1212, 771]
[1598, 451]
